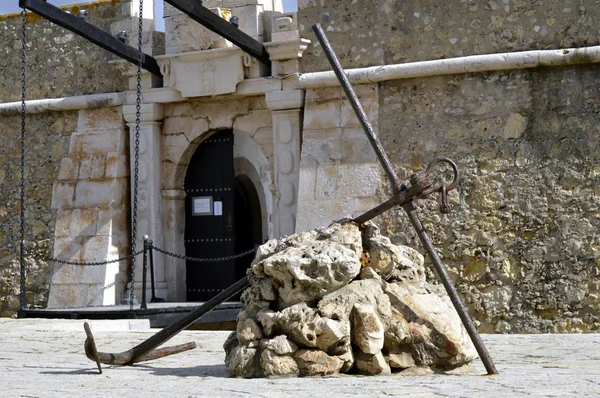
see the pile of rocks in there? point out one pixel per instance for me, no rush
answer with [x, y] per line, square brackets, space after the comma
[343, 300]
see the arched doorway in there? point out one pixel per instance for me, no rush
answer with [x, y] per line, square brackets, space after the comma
[222, 218]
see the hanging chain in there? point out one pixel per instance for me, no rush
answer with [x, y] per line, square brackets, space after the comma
[138, 107]
[22, 198]
[204, 260]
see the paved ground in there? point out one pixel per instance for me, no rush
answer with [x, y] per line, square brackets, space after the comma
[43, 358]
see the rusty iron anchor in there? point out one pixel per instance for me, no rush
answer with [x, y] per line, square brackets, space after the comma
[408, 206]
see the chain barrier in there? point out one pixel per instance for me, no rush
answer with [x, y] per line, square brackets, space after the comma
[204, 260]
[138, 107]
[22, 198]
[94, 263]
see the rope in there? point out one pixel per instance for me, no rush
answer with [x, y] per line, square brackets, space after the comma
[22, 198]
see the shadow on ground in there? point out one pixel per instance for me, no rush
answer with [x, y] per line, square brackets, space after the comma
[195, 371]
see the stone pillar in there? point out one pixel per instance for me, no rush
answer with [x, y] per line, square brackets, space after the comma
[286, 109]
[174, 230]
[149, 189]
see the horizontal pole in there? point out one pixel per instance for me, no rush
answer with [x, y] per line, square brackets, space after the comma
[459, 65]
[64, 104]
[90, 32]
[205, 17]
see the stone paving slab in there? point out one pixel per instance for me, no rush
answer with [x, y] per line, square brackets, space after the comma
[44, 359]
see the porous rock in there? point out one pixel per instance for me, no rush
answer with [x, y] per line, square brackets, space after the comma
[342, 300]
[317, 363]
[367, 329]
[371, 364]
[448, 343]
[278, 365]
[308, 273]
[339, 304]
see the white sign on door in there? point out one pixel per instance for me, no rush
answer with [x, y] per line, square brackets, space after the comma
[202, 206]
[218, 208]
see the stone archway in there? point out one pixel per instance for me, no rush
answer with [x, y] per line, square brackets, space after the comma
[253, 172]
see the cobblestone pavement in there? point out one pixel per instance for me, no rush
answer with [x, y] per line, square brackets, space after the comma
[42, 358]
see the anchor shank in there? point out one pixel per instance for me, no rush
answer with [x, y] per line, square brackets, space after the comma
[173, 329]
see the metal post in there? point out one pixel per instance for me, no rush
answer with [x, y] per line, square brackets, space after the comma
[154, 299]
[144, 272]
[409, 208]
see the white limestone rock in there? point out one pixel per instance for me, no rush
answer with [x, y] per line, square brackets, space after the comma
[307, 273]
[299, 323]
[394, 262]
[372, 364]
[280, 345]
[367, 329]
[248, 331]
[278, 365]
[400, 359]
[243, 362]
[447, 342]
[338, 305]
[317, 363]
[334, 336]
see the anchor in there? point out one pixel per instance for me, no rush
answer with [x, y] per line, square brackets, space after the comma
[404, 196]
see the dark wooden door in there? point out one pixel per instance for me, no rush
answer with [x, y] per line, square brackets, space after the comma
[210, 220]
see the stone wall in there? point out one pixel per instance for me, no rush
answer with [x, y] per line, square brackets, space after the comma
[59, 64]
[47, 143]
[376, 32]
[522, 242]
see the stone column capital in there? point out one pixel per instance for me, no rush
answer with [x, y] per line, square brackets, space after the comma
[148, 113]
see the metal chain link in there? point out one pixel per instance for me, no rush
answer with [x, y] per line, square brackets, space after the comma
[33, 254]
[94, 263]
[138, 107]
[204, 260]
[22, 198]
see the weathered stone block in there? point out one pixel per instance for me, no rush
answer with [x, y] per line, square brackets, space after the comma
[356, 147]
[106, 193]
[96, 248]
[68, 248]
[83, 222]
[327, 182]
[100, 119]
[98, 142]
[369, 104]
[307, 184]
[357, 180]
[69, 169]
[322, 115]
[92, 167]
[62, 195]
[321, 147]
[63, 223]
[113, 221]
[116, 165]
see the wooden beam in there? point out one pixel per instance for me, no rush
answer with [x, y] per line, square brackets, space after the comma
[91, 33]
[195, 10]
